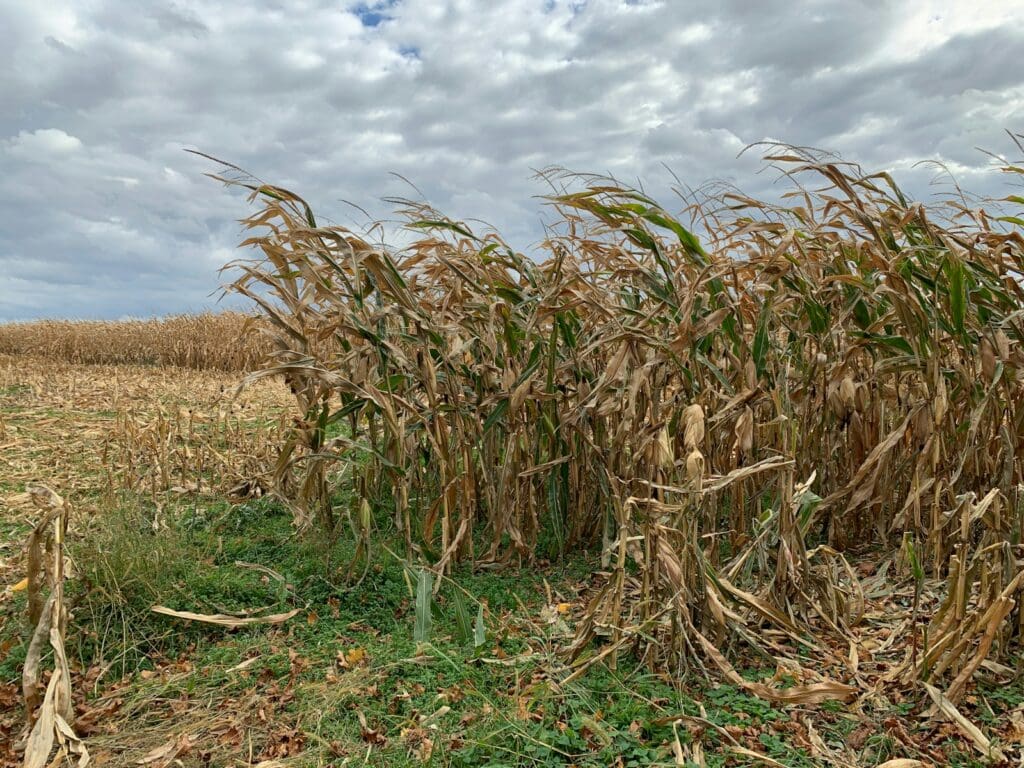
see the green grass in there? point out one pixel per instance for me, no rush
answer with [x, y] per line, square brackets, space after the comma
[498, 705]
[501, 711]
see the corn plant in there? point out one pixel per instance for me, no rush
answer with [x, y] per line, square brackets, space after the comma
[723, 403]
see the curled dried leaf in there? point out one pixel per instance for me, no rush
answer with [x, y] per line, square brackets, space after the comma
[693, 426]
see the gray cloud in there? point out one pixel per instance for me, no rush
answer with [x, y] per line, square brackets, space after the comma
[102, 214]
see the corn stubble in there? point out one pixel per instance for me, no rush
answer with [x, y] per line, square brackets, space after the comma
[729, 418]
[49, 716]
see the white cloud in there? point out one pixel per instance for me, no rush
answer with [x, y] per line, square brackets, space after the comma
[42, 145]
[464, 102]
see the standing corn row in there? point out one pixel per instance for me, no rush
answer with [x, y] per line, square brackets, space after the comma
[727, 417]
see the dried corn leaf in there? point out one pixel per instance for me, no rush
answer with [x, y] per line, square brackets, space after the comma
[980, 741]
[223, 620]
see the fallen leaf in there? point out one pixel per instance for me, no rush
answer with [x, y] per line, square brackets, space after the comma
[756, 756]
[980, 741]
[815, 693]
[164, 754]
[224, 620]
[1016, 731]
[370, 735]
[355, 655]
[245, 664]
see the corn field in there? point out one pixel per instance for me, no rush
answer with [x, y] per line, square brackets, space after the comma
[205, 341]
[729, 406]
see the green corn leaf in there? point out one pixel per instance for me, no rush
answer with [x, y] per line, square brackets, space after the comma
[911, 552]
[496, 415]
[449, 225]
[760, 347]
[424, 588]
[716, 372]
[957, 294]
[817, 315]
[463, 624]
[805, 516]
[479, 629]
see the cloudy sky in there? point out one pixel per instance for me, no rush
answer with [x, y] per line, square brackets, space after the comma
[102, 213]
